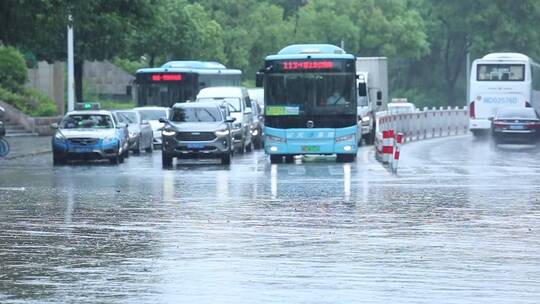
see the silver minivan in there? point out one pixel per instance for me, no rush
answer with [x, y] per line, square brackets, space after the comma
[239, 104]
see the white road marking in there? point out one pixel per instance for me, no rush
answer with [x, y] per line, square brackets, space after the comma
[12, 189]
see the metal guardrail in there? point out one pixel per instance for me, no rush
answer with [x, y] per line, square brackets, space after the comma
[420, 125]
[428, 123]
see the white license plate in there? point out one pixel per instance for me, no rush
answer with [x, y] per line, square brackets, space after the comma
[195, 146]
[83, 150]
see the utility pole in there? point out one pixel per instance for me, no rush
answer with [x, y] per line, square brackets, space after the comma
[71, 69]
[468, 76]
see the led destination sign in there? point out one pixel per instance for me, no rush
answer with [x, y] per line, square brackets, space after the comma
[307, 65]
[166, 77]
[311, 65]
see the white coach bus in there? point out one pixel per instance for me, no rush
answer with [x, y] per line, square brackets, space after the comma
[501, 80]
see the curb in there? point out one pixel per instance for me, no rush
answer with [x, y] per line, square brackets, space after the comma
[27, 155]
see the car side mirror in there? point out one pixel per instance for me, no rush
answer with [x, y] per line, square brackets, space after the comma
[163, 120]
[54, 126]
[230, 119]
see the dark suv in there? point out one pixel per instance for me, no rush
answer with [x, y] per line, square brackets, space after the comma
[197, 130]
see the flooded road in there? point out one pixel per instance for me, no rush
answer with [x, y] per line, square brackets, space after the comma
[460, 223]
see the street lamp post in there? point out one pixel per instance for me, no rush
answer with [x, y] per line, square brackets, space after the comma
[71, 69]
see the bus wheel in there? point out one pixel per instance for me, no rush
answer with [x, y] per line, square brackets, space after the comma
[345, 158]
[276, 159]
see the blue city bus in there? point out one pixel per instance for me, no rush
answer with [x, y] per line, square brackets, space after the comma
[310, 102]
[179, 81]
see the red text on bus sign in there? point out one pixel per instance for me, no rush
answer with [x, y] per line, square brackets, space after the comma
[307, 65]
[166, 77]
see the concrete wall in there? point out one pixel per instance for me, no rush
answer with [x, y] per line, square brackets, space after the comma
[101, 78]
[106, 79]
[49, 79]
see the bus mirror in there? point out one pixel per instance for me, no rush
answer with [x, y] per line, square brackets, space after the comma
[362, 89]
[379, 96]
[128, 90]
[259, 80]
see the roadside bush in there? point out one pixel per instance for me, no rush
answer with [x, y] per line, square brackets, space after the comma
[31, 102]
[40, 103]
[13, 72]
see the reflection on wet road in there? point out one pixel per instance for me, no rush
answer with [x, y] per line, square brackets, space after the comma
[459, 224]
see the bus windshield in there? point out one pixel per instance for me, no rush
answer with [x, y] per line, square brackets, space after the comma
[164, 94]
[311, 93]
[501, 72]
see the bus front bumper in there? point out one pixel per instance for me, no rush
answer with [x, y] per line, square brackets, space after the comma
[311, 141]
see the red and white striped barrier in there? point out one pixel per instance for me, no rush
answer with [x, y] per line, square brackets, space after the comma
[417, 125]
[388, 146]
[399, 141]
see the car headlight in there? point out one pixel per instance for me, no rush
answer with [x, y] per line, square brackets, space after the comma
[109, 140]
[276, 139]
[348, 137]
[254, 132]
[223, 132]
[59, 137]
[168, 132]
[366, 118]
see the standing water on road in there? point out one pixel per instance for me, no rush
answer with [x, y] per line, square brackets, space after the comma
[459, 224]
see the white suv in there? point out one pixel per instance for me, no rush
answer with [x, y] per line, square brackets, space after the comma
[237, 99]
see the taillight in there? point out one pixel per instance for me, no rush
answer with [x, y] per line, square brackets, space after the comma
[528, 104]
[533, 125]
[472, 113]
[498, 124]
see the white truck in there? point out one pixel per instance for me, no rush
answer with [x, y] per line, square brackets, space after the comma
[372, 88]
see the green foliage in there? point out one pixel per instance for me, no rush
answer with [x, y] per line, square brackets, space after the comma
[30, 102]
[426, 40]
[108, 104]
[130, 66]
[40, 104]
[13, 72]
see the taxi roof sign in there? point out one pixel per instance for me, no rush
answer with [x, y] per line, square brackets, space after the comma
[87, 106]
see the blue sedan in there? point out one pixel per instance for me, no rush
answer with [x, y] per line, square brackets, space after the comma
[89, 135]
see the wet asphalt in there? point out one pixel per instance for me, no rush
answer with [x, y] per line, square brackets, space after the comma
[459, 223]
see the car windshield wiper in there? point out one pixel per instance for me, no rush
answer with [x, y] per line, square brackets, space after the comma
[233, 108]
[211, 115]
